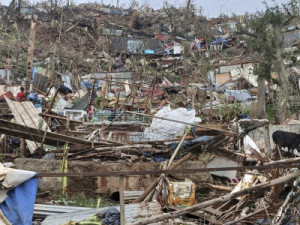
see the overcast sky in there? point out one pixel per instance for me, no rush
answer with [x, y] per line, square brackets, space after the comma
[211, 8]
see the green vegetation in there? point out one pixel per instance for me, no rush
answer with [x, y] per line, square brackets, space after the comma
[81, 200]
[229, 111]
[271, 112]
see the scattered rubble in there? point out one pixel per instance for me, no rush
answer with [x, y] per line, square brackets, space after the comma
[166, 112]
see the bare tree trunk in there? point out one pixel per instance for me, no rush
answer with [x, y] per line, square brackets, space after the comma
[30, 55]
[282, 106]
[188, 5]
[261, 106]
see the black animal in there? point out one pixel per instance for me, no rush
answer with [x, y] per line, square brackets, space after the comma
[286, 139]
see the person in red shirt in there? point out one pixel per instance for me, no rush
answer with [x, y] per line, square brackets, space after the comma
[20, 95]
[201, 42]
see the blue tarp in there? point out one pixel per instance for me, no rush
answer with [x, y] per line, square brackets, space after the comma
[155, 159]
[87, 84]
[19, 205]
[149, 51]
[188, 143]
[220, 41]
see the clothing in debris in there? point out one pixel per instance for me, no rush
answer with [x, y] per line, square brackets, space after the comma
[20, 95]
[112, 217]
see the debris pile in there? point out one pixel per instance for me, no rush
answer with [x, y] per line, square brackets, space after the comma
[166, 112]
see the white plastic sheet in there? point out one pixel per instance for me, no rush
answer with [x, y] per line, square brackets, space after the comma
[164, 129]
[249, 143]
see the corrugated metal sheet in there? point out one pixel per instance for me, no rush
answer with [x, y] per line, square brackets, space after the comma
[26, 114]
[133, 213]
[40, 82]
[121, 44]
[82, 103]
[290, 38]
[118, 77]
[227, 69]
[135, 46]
[108, 31]
[42, 211]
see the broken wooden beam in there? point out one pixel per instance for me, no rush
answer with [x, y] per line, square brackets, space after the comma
[222, 188]
[37, 135]
[221, 199]
[52, 101]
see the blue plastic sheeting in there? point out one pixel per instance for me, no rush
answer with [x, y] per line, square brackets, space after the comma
[19, 205]
[155, 159]
[33, 96]
[220, 41]
[34, 71]
[240, 95]
[244, 116]
[188, 143]
[87, 84]
[149, 51]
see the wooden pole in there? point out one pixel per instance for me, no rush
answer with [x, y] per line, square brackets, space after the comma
[52, 101]
[122, 205]
[22, 147]
[178, 147]
[92, 91]
[222, 188]
[219, 200]
[103, 95]
[30, 56]
[118, 98]
[133, 96]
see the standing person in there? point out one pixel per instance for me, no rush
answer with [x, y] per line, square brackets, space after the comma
[20, 95]
[201, 42]
[90, 112]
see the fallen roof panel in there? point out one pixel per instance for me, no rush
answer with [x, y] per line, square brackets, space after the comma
[133, 213]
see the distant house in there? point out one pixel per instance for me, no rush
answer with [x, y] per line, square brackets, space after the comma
[290, 38]
[136, 46]
[2, 10]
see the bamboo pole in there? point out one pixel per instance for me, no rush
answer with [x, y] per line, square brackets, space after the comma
[178, 147]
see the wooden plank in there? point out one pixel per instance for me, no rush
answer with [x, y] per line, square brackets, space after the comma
[36, 135]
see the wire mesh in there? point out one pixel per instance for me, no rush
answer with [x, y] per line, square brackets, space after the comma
[108, 115]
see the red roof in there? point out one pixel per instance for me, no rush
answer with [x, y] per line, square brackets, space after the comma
[8, 94]
[160, 37]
